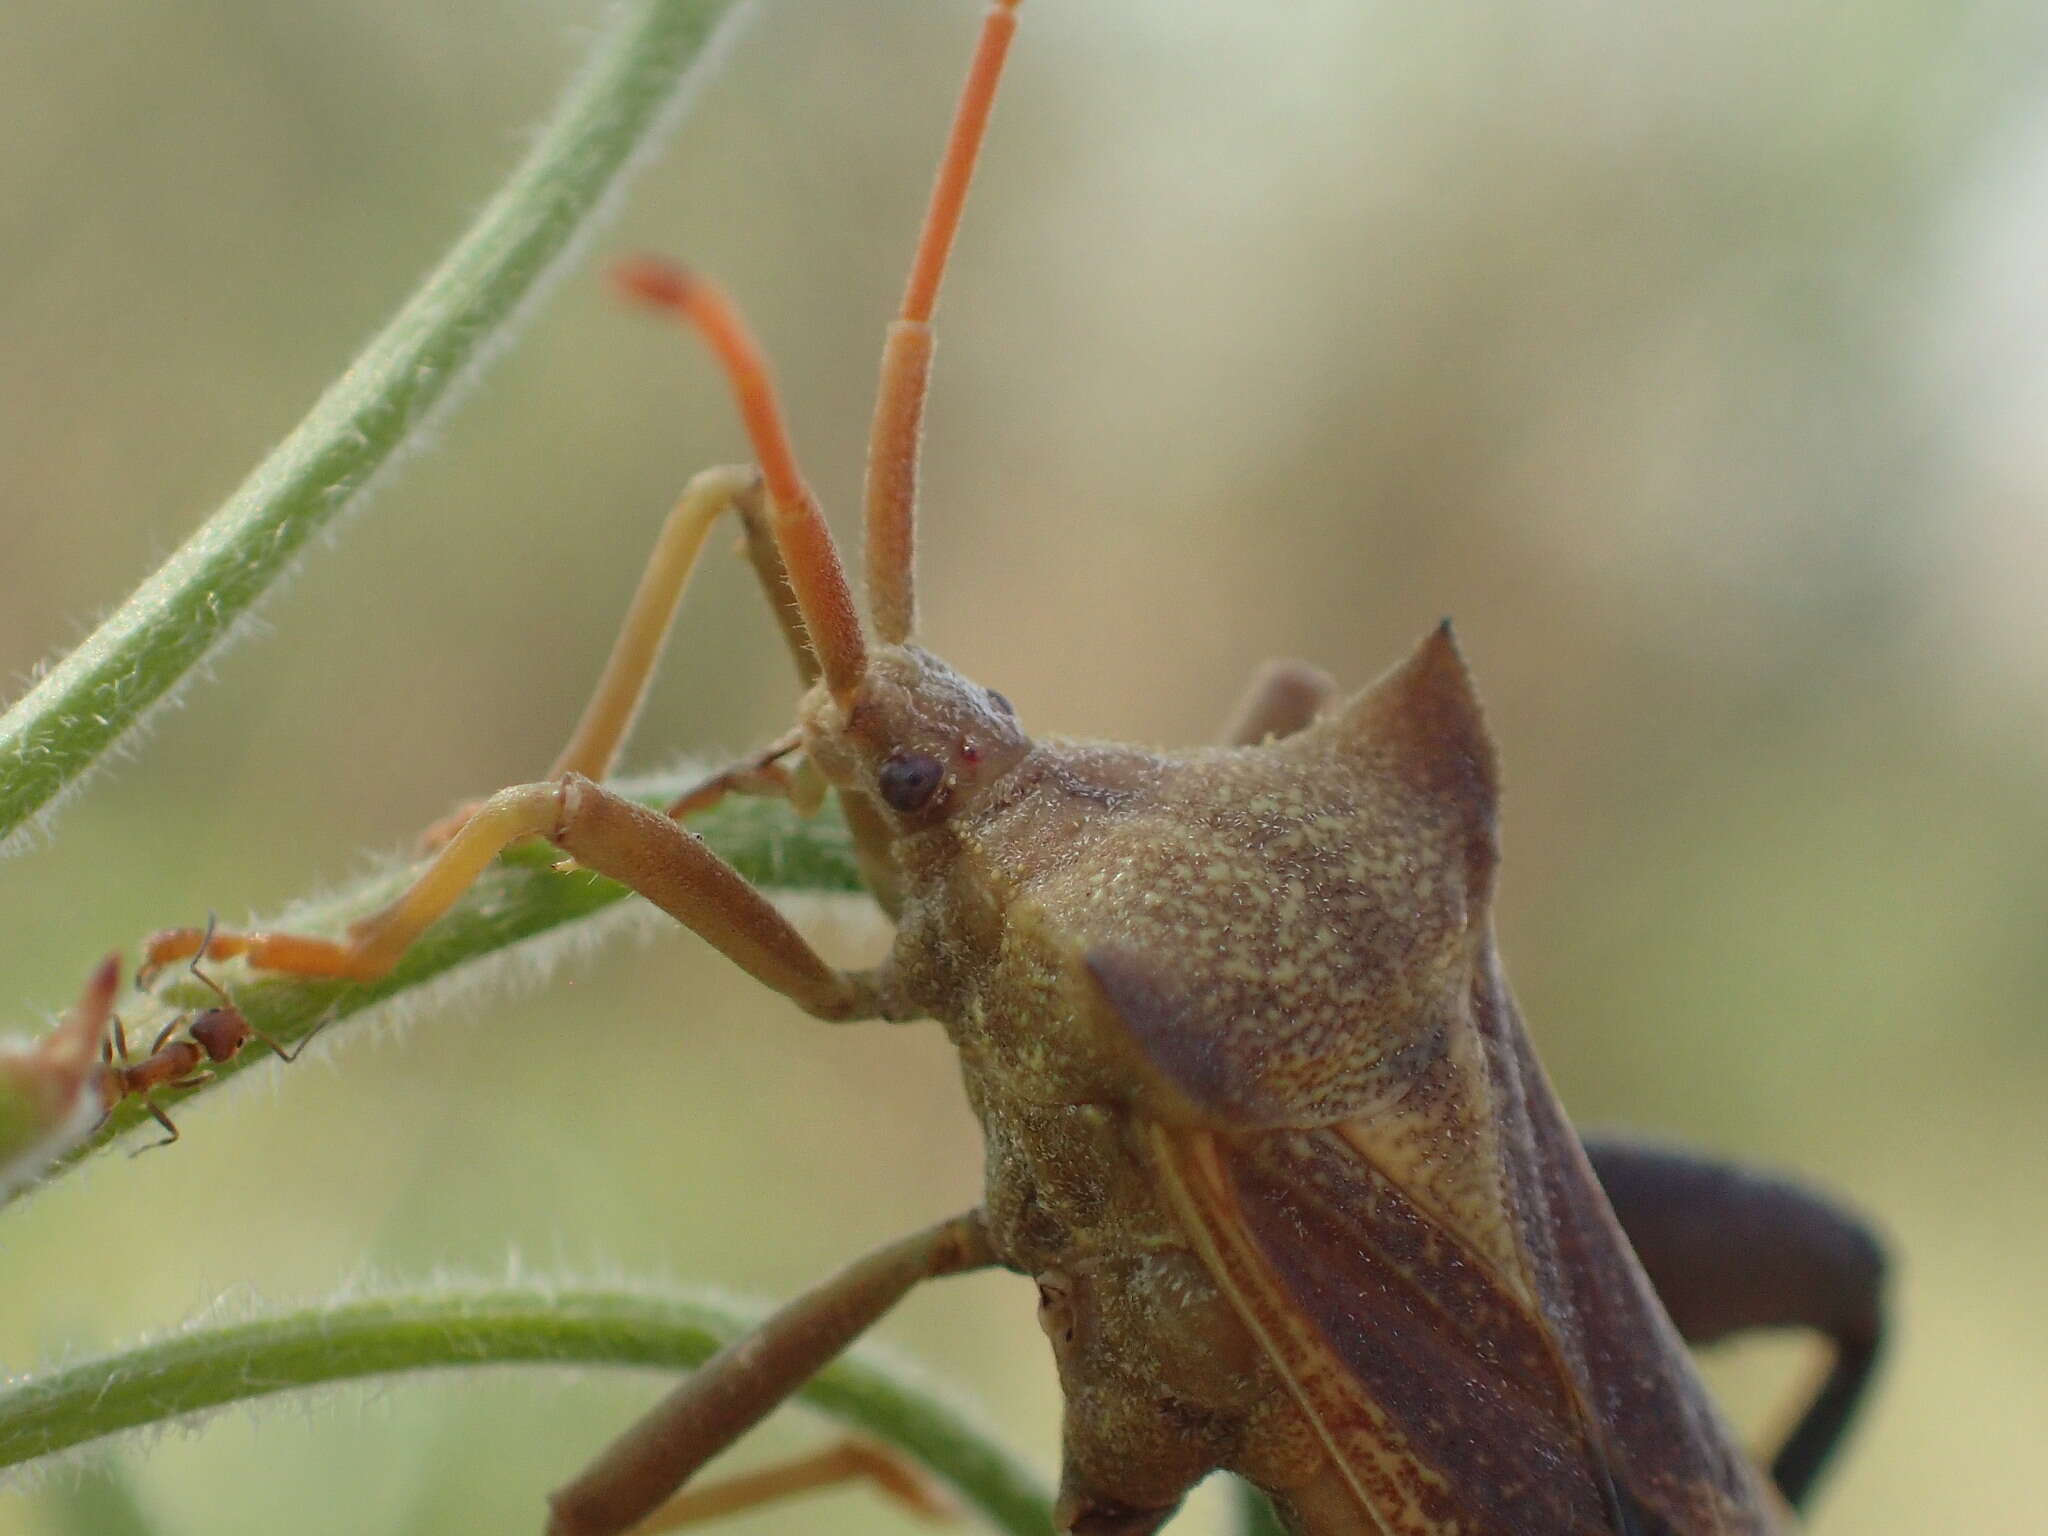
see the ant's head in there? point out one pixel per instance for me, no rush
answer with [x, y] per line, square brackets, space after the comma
[220, 1032]
[915, 735]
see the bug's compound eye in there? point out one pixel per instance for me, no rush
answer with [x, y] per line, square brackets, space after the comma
[1056, 1308]
[908, 780]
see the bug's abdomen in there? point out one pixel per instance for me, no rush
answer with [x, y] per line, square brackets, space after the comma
[1162, 1384]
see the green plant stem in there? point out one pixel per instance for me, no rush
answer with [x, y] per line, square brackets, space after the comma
[1255, 1515]
[84, 703]
[521, 897]
[206, 1367]
[101, 1502]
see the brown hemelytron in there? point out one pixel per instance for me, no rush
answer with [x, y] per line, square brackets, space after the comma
[1262, 1120]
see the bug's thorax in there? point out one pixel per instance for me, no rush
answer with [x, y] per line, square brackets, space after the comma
[1161, 1381]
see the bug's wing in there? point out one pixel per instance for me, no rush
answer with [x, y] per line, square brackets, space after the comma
[1438, 1278]
[1435, 1384]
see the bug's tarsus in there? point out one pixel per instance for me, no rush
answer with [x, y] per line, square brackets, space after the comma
[764, 773]
[604, 832]
[1813, 1441]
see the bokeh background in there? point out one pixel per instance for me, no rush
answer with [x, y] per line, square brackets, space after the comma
[1694, 358]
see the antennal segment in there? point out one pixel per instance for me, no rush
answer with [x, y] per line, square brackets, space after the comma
[907, 354]
[816, 575]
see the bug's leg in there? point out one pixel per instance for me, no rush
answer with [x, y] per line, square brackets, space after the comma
[608, 717]
[871, 835]
[785, 518]
[602, 831]
[228, 1003]
[1283, 697]
[737, 1387]
[1730, 1249]
[765, 556]
[764, 773]
[622, 686]
[851, 1460]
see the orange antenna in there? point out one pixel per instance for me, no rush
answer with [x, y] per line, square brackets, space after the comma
[907, 354]
[816, 575]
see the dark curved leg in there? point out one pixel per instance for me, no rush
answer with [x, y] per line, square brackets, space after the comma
[1281, 698]
[735, 1389]
[1729, 1248]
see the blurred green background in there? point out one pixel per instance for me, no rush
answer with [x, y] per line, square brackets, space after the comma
[1694, 358]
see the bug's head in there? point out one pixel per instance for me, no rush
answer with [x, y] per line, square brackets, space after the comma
[882, 718]
[915, 735]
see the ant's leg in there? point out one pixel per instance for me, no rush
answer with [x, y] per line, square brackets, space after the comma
[639, 847]
[1730, 1249]
[1283, 697]
[850, 1460]
[162, 1119]
[735, 1389]
[292, 1055]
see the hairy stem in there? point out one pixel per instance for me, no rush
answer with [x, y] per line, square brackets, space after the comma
[206, 1367]
[84, 703]
[522, 897]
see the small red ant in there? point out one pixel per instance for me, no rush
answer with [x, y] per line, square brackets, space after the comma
[214, 1035]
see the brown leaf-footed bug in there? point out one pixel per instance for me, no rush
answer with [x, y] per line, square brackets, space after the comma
[1261, 1118]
